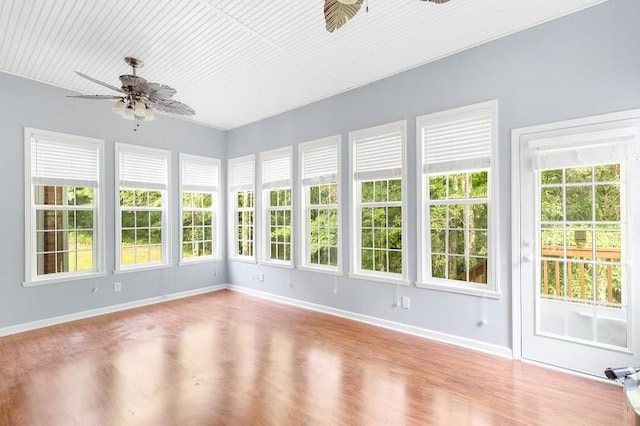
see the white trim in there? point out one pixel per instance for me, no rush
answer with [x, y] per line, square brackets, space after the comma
[303, 202]
[34, 325]
[460, 289]
[216, 228]
[320, 270]
[146, 267]
[63, 279]
[423, 242]
[199, 260]
[516, 253]
[99, 209]
[387, 278]
[516, 237]
[262, 225]
[243, 259]
[232, 208]
[464, 342]
[277, 263]
[166, 203]
[355, 252]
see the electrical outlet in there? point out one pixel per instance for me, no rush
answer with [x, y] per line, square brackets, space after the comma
[261, 276]
[406, 302]
[117, 287]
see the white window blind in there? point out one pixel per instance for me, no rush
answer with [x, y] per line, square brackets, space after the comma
[320, 162]
[65, 163]
[276, 168]
[592, 148]
[378, 152]
[199, 174]
[241, 173]
[144, 168]
[458, 141]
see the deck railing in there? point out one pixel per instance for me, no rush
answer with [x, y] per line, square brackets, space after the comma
[554, 285]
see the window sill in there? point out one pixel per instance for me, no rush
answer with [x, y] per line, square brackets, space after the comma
[57, 280]
[142, 268]
[285, 265]
[320, 270]
[380, 278]
[197, 261]
[243, 259]
[469, 291]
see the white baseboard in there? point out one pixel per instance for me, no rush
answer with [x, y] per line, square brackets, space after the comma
[19, 328]
[464, 342]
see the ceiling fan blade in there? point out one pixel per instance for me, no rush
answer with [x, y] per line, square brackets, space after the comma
[437, 1]
[95, 96]
[155, 89]
[336, 13]
[102, 83]
[171, 106]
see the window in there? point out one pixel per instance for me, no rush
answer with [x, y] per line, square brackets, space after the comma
[142, 214]
[458, 201]
[378, 202]
[242, 208]
[64, 220]
[319, 207]
[199, 177]
[276, 203]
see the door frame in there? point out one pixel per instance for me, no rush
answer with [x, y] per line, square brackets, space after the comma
[516, 247]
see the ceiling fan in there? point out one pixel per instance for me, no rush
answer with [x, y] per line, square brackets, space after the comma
[139, 97]
[338, 12]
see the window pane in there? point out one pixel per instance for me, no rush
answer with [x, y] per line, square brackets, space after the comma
[552, 203]
[127, 198]
[141, 198]
[367, 192]
[551, 177]
[579, 203]
[608, 203]
[579, 174]
[395, 190]
[128, 219]
[457, 185]
[479, 184]
[155, 199]
[142, 218]
[438, 265]
[607, 173]
[437, 187]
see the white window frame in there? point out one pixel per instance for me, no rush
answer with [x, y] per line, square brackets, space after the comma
[329, 143]
[241, 178]
[491, 289]
[355, 205]
[164, 188]
[285, 183]
[207, 181]
[31, 277]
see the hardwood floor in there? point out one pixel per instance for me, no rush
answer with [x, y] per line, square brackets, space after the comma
[230, 359]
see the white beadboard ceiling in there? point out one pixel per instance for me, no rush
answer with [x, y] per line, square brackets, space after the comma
[238, 61]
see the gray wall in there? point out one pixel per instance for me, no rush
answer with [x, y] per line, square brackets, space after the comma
[31, 104]
[584, 64]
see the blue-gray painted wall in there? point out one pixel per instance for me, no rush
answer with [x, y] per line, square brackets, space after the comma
[583, 64]
[26, 103]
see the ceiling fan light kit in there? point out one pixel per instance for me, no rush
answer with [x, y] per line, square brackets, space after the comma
[138, 97]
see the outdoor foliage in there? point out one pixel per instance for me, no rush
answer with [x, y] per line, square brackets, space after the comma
[381, 225]
[458, 224]
[580, 238]
[323, 224]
